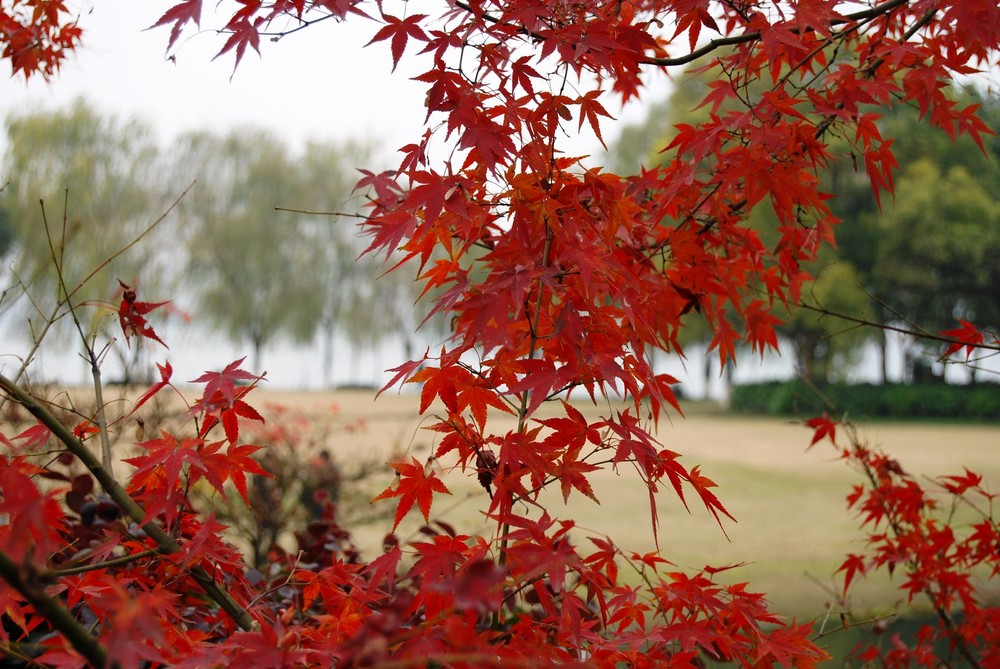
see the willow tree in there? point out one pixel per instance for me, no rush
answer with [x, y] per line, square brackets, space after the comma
[81, 180]
[255, 273]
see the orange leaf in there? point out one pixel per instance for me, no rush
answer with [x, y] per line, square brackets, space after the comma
[413, 484]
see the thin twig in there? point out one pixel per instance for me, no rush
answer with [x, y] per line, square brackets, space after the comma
[54, 316]
[100, 417]
[919, 334]
[113, 562]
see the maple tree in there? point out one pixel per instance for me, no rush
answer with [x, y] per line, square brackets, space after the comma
[557, 277]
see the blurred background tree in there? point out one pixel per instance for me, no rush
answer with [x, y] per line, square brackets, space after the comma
[80, 187]
[264, 244]
[256, 273]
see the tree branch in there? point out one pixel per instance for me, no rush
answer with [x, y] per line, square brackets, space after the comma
[864, 15]
[919, 334]
[55, 613]
[715, 44]
[132, 509]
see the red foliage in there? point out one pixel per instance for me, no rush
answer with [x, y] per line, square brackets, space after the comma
[932, 556]
[132, 315]
[37, 35]
[968, 336]
[557, 277]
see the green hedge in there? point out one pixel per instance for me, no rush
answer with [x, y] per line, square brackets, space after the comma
[892, 400]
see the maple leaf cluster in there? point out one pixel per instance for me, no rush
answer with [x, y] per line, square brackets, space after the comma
[132, 315]
[914, 535]
[36, 36]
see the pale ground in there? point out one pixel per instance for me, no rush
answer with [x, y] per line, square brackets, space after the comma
[793, 528]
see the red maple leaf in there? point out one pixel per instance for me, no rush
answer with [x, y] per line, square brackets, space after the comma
[131, 315]
[968, 336]
[179, 15]
[413, 484]
[35, 437]
[166, 371]
[824, 426]
[242, 34]
[400, 30]
[590, 110]
[573, 474]
[84, 429]
[158, 473]
[225, 382]
[232, 465]
[223, 402]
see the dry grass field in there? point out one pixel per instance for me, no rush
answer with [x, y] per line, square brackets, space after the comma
[792, 530]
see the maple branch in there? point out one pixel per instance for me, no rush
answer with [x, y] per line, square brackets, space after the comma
[894, 524]
[845, 626]
[54, 316]
[131, 508]
[912, 332]
[303, 24]
[92, 358]
[715, 44]
[310, 212]
[489, 18]
[924, 20]
[114, 562]
[55, 612]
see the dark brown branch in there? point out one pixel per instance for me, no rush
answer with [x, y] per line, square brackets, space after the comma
[864, 15]
[113, 562]
[54, 612]
[721, 42]
[919, 334]
[114, 489]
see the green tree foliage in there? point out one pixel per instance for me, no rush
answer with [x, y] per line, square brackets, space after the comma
[254, 272]
[818, 343]
[825, 345]
[79, 179]
[326, 188]
[940, 246]
[930, 255]
[361, 301]
[257, 273]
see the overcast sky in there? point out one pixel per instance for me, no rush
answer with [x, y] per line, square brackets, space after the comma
[316, 84]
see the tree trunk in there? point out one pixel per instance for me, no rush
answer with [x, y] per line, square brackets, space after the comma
[706, 371]
[257, 344]
[805, 356]
[329, 331]
[883, 346]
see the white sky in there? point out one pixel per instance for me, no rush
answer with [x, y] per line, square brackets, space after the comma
[316, 84]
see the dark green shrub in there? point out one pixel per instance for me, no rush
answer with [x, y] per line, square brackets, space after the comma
[893, 400]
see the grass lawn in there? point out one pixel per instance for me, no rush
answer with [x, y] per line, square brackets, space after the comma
[792, 528]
